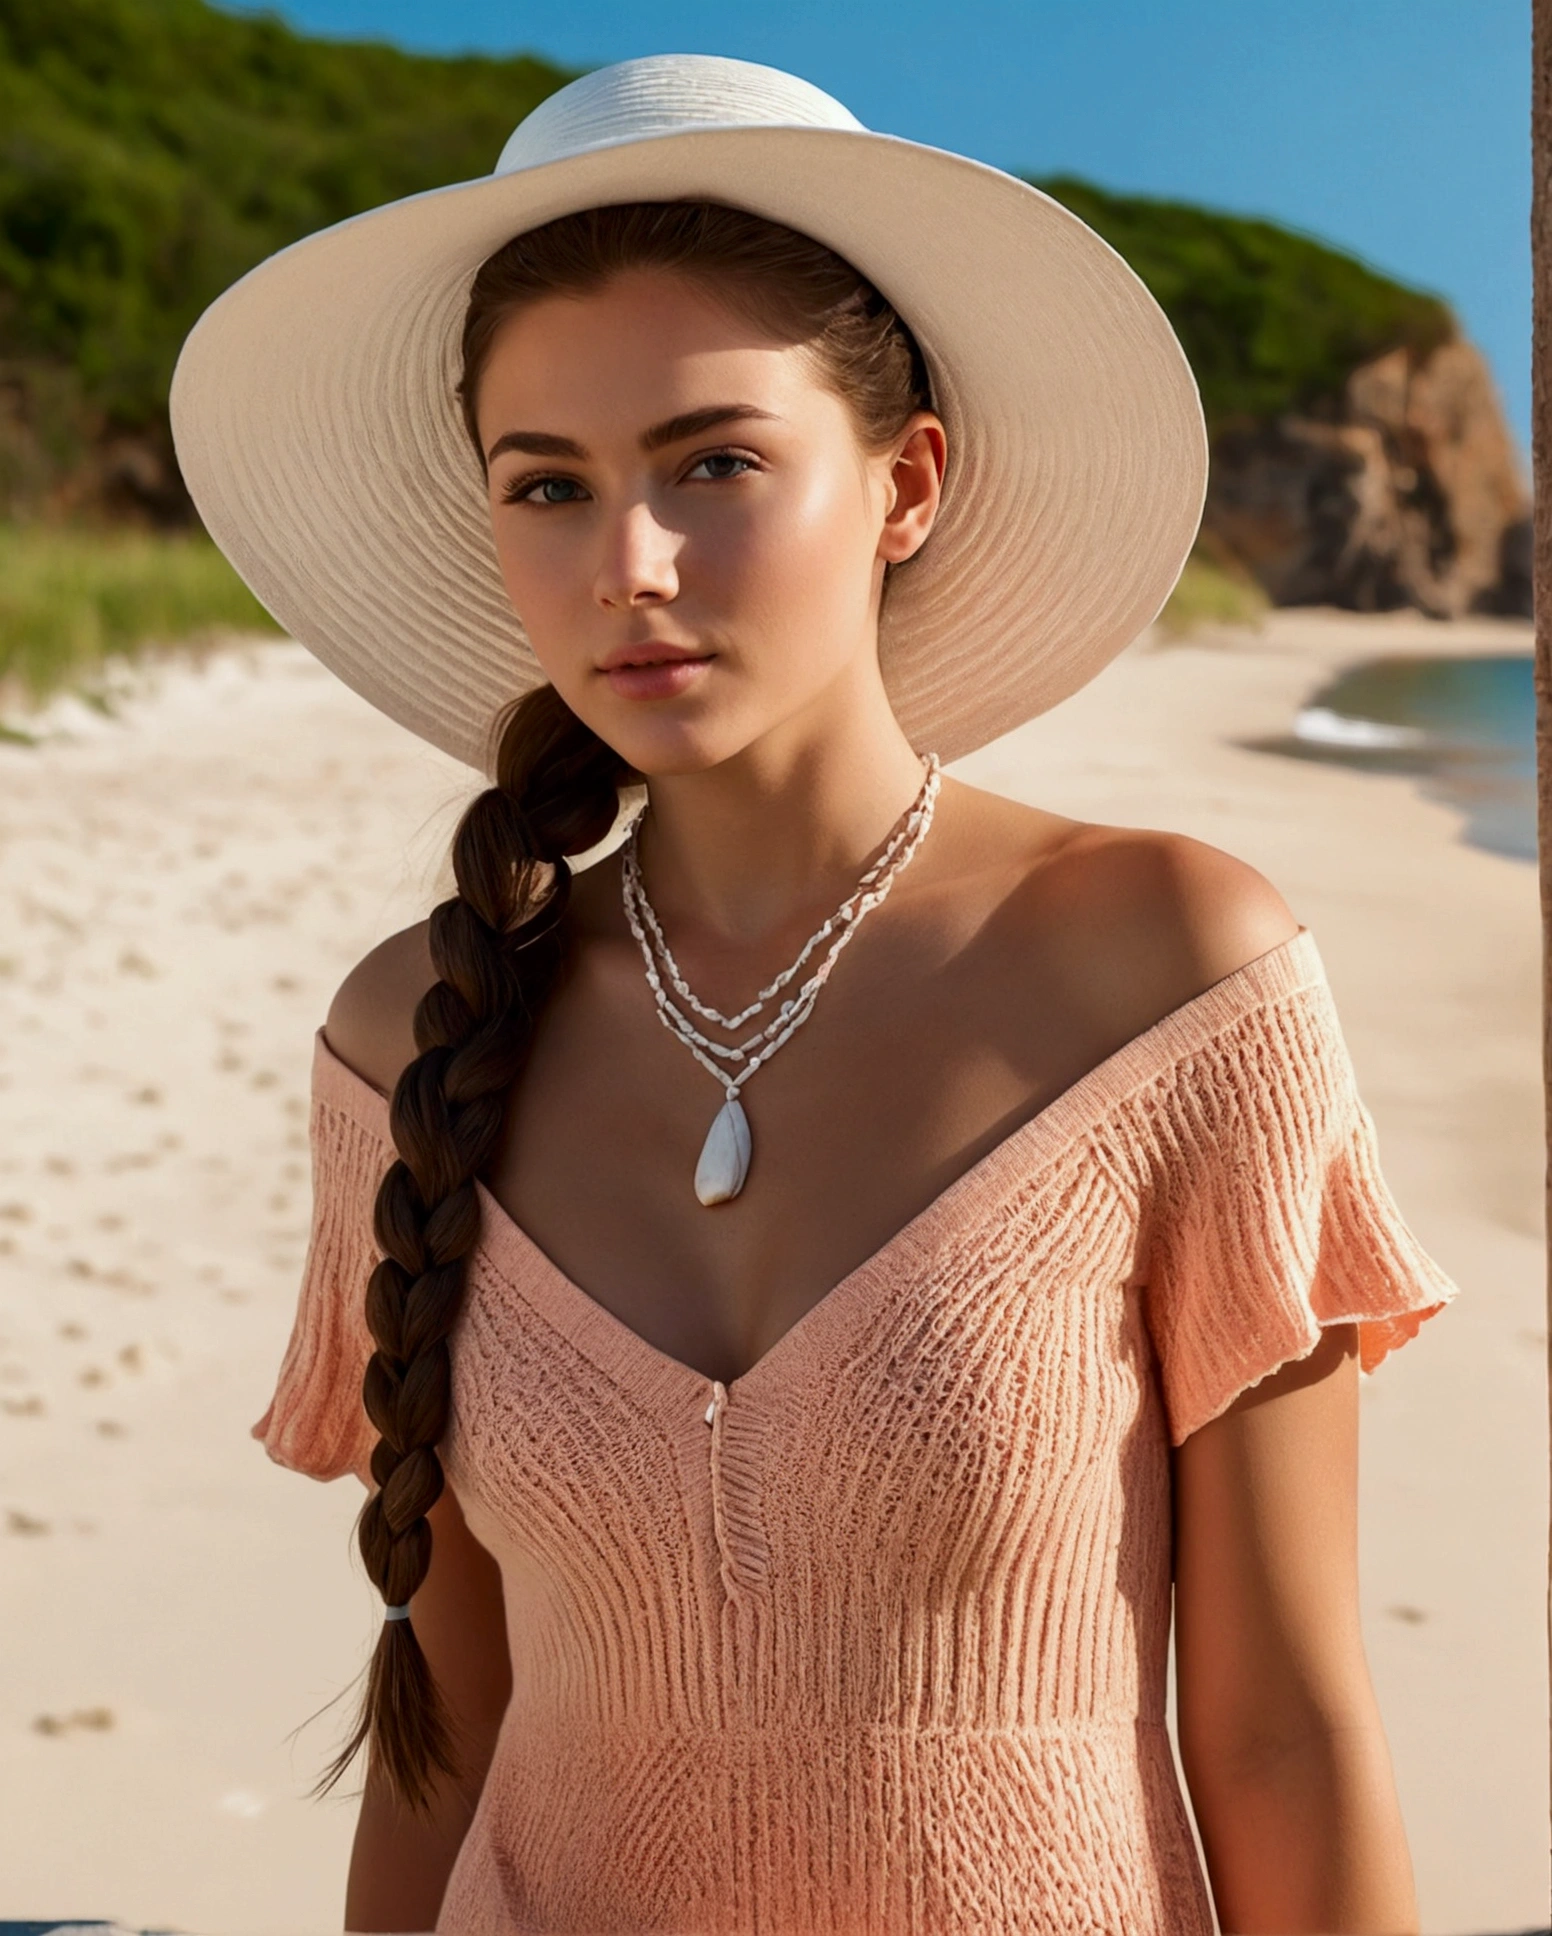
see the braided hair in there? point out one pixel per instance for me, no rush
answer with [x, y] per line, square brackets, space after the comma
[498, 945]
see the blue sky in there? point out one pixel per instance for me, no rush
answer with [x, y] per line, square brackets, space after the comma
[1398, 131]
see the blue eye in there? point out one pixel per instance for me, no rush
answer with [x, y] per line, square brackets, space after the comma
[521, 489]
[723, 457]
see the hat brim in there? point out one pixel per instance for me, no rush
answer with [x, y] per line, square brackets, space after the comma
[315, 417]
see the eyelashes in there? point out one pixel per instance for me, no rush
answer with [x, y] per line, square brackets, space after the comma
[518, 490]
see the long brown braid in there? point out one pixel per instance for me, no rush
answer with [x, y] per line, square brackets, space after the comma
[499, 944]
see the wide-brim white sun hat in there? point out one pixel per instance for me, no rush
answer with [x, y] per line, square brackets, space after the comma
[317, 424]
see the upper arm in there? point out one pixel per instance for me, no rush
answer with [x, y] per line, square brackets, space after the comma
[1267, 1635]
[460, 1622]
[370, 1023]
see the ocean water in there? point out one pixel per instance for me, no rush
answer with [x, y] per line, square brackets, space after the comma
[1463, 729]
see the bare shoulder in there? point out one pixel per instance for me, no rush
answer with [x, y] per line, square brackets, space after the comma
[370, 1024]
[1131, 923]
[1115, 926]
[1156, 918]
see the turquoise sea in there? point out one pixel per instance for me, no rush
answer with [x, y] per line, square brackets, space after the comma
[1463, 729]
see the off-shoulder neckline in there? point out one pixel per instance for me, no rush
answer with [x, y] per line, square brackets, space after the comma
[1284, 970]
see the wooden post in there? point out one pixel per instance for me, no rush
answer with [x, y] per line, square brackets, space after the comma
[1541, 443]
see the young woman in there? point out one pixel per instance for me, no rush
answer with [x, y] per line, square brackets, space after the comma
[829, 1266]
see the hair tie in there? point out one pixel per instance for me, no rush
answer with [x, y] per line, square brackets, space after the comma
[397, 1613]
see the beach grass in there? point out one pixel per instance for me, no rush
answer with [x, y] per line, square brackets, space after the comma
[71, 599]
[1206, 595]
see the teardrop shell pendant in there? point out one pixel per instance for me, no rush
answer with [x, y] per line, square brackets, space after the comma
[724, 1158]
[724, 1162]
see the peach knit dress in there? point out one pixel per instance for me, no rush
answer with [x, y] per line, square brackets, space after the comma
[873, 1639]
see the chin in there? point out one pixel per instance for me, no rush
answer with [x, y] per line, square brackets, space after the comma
[662, 748]
[663, 738]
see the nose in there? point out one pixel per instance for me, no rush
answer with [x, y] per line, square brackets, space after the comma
[638, 566]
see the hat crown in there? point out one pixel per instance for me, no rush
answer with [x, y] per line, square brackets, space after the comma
[666, 94]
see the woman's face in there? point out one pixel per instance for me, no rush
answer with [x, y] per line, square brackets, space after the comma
[685, 522]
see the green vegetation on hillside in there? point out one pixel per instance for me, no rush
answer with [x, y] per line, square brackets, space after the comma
[1270, 320]
[153, 150]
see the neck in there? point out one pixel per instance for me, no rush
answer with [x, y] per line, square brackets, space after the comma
[738, 856]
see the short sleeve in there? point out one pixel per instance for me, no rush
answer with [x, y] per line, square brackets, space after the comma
[316, 1422]
[1271, 1217]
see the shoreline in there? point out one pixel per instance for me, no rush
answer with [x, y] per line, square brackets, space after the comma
[182, 888]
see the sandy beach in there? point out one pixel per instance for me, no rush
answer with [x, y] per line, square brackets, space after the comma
[184, 882]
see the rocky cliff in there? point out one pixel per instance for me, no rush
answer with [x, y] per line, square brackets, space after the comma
[1408, 492]
[1360, 456]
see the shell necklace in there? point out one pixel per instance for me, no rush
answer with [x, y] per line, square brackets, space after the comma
[724, 1158]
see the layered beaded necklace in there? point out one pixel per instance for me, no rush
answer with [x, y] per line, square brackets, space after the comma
[724, 1158]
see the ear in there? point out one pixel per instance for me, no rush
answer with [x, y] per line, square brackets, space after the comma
[916, 487]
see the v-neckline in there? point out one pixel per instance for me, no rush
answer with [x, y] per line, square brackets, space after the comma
[622, 1353]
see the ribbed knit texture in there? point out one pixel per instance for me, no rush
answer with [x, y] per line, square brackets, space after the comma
[874, 1638]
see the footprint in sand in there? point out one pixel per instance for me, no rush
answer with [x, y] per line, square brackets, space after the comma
[123, 1280]
[25, 1523]
[92, 1720]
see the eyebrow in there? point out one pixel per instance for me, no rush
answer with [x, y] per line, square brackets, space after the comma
[673, 430]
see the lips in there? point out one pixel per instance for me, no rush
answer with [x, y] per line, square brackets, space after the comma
[654, 671]
[649, 652]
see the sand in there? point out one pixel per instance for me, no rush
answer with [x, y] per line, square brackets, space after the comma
[182, 886]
